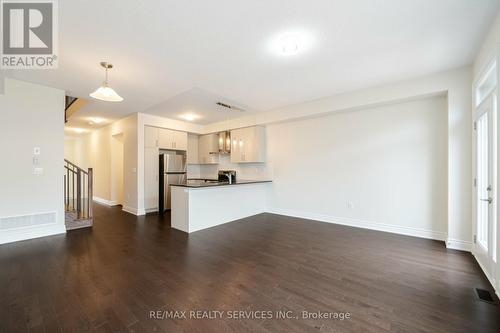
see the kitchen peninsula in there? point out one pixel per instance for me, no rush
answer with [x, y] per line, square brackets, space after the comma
[201, 204]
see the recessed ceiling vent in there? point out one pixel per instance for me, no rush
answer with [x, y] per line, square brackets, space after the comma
[231, 107]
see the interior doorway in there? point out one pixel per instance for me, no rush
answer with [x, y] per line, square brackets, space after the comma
[117, 169]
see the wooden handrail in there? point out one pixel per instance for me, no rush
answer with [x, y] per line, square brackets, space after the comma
[74, 165]
[78, 190]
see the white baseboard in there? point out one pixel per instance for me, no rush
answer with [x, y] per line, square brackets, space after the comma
[461, 245]
[402, 230]
[151, 210]
[492, 281]
[134, 211]
[105, 202]
[25, 233]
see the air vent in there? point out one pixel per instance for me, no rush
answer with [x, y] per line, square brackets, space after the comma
[27, 220]
[484, 295]
[231, 107]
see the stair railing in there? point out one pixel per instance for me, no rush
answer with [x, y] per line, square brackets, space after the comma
[78, 190]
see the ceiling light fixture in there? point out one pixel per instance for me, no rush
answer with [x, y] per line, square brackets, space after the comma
[104, 92]
[189, 116]
[289, 45]
[95, 121]
[78, 130]
[292, 42]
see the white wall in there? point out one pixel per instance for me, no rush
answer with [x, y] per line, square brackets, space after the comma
[117, 148]
[489, 48]
[383, 168]
[31, 116]
[69, 148]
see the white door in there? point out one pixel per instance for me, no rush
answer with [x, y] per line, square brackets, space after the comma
[484, 246]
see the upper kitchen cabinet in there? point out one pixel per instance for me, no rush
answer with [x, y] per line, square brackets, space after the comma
[248, 145]
[180, 140]
[208, 149]
[168, 139]
[192, 149]
[150, 136]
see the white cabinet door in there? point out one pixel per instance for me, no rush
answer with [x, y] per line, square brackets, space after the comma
[180, 140]
[208, 149]
[248, 145]
[192, 149]
[150, 136]
[165, 138]
[169, 139]
[236, 143]
[151, 178]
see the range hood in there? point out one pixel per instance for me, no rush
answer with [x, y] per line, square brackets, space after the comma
[225, 142]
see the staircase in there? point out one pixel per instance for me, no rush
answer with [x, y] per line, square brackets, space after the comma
[78, 193]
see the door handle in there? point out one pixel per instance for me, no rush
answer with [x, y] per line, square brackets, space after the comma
[490, 200]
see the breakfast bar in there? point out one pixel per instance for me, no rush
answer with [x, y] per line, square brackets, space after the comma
[202, 204]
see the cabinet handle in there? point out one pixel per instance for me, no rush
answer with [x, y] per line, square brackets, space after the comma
[156, 144]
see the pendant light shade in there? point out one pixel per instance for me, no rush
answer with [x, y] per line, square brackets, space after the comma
[104, 92]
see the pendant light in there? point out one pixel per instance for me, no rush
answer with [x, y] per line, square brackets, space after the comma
[104, 92]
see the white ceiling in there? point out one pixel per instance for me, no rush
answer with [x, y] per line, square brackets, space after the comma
[171, 56]
[200, 105]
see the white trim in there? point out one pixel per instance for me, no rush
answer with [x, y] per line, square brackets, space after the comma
[20, 234]
[134, 211]
[491, 280]
[151, 210]
[456, 244]
[396, 229]
[105, 202]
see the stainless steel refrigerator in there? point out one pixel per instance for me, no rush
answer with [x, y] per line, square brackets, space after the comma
[172, 171]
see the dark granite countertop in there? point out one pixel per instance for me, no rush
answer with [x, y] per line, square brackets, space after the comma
[200, 183]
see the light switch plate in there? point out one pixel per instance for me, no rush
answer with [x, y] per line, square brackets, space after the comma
[36, 151]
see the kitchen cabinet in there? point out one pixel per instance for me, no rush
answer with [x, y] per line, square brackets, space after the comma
[208, 149]
[169, 139]
[155, 139]
[180, 140]
[248, 145]
[192, 149]
[150, 136]
[151, 180]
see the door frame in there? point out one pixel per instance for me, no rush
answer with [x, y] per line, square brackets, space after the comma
[487, 260]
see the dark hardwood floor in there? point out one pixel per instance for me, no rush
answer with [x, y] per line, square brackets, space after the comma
[109, 278]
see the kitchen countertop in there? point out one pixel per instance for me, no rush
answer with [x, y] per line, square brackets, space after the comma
[201, 183]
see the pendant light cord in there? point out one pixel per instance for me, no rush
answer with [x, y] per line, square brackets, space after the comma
[106, 81]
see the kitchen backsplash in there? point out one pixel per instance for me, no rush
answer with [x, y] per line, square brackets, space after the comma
[243, 171]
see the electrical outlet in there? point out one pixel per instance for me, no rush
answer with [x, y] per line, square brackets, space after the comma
[38, 171]
[350, 205]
